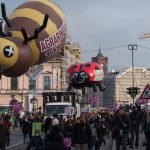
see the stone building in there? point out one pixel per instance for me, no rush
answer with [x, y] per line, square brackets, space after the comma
[117, 84]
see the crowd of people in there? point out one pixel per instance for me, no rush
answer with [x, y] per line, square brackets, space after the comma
[88, 132]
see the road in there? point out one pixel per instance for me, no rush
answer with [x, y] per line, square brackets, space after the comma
[16, 142]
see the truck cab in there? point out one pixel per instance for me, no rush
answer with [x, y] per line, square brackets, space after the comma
[60, 108]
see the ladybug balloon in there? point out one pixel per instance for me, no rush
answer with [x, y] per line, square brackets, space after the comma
[82, 75]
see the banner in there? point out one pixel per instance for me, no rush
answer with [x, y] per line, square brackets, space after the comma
[36, 125]
[16, 106]
[141, 101]
[94, 100]
[115, 107]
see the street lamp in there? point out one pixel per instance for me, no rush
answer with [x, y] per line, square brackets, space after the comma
[132, 47]
[61, 77]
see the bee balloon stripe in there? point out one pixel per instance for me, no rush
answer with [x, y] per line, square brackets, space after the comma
[35, 33]
[45, 9]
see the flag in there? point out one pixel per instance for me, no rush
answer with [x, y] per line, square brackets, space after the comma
[93, 100]
[141, 101]
[115, 107]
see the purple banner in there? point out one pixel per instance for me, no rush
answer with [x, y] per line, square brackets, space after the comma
[115, 107]
[17, 106]
[141, 101]
[93, 100]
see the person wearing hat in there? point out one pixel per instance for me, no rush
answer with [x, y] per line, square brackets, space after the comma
[54, 139]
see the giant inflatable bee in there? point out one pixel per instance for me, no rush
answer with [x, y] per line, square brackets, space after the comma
[33, 34]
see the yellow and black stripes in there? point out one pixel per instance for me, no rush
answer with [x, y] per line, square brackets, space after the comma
[30, 15]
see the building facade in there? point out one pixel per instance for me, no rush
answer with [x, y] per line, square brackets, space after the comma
[117, 84]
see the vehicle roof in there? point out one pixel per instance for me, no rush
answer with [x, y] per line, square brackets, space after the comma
[59, 103]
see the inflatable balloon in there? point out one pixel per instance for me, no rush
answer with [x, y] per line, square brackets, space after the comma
[34, 33]
[82, 75]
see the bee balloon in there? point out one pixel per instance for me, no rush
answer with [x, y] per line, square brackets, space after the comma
[33, 34]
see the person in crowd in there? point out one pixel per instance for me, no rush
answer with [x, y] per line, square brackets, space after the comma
[81, 133]
[36, 143]
[47, 124]
[25, 130]
[147, 132]
[55, 139]
[68, 127]
[30, 128]
[8, 125]
[143, 124]
[93, 135]
[3, 134]
[135, 117]
[120, 128]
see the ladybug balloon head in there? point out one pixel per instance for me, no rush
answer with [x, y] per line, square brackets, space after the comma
[79, 77]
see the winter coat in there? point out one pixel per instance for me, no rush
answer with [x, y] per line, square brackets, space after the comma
[55, 139]
[136, 119]
[25, 127]
[36, 143]
[3, 134]
[81, 133]
[120, 124]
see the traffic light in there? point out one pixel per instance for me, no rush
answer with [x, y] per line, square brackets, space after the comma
[129, 90]
[133, 91]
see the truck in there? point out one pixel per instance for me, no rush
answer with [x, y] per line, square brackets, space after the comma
[61, 103]
[60, 108]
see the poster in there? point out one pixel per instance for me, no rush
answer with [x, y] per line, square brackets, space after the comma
[36, 125]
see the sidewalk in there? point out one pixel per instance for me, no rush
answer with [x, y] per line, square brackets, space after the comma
[16, 129]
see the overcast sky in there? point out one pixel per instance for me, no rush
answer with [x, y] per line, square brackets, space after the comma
[110, 23]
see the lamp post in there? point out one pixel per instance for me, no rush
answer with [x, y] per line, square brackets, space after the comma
[61, 77]
[132, 47]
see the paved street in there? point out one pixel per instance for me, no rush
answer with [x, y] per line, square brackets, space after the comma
[108, 145]
[16, 142]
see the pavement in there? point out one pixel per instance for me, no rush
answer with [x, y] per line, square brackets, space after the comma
[16, 142]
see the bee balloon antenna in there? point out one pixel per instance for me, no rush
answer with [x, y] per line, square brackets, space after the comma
[2, 34]
[4, 15]
[36, 31]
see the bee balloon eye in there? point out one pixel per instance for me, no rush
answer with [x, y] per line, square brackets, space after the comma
[83, 74]
[8, 51]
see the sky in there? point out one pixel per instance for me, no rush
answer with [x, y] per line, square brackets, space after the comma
[108, 23]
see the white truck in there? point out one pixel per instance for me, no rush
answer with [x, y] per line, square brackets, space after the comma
[60, 108]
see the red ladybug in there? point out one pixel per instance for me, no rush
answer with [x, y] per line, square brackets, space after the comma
[88, 74]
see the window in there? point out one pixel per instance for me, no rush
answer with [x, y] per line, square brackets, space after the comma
[14, 83]
[32, 84]
[47, 84]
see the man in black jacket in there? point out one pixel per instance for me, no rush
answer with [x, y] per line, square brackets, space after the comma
[135, 117]
[3, 133]
[120, 129]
